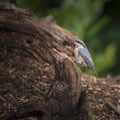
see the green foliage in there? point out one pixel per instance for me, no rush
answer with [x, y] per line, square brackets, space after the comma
[87, 19]
[106, 60]
[82, 17]
[30, 4]
[78, 15]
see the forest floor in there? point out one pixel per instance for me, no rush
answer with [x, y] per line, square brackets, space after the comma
[102, 94]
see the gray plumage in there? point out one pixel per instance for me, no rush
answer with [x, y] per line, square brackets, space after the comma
[84, 53]
[83, 56]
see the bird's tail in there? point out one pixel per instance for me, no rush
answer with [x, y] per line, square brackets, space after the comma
[94, 70]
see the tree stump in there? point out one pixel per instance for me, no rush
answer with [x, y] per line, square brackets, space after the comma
[38, 76]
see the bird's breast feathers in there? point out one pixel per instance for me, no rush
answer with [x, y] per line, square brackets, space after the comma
[78, 57]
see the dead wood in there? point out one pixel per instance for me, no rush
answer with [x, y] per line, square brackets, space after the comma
[114, 107]
[38, 76]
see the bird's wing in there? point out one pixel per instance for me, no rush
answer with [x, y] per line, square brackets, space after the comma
[84, 53]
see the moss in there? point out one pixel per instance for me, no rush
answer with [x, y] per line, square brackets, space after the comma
[91, 116]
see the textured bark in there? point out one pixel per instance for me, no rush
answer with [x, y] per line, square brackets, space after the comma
[38, 76]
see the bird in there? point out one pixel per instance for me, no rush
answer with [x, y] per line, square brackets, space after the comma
[83, 56]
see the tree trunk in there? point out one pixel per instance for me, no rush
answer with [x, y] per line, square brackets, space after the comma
[38, 76]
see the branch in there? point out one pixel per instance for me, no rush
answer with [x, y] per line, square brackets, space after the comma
[114, 107]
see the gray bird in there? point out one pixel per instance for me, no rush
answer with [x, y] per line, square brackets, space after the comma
[83, 56]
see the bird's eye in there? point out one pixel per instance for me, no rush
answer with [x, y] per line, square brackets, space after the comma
[81, 43]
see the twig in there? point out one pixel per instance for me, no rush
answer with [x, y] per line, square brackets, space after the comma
[114, 107]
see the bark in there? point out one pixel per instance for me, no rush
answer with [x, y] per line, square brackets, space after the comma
[38, 76]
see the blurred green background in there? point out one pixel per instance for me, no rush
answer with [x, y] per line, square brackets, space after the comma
[96, 22]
